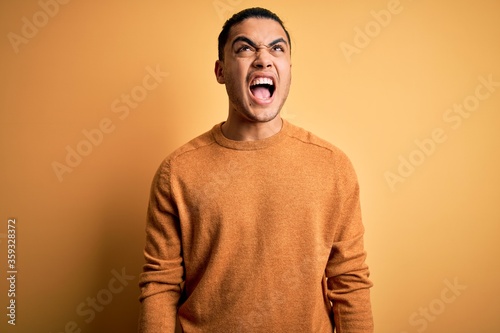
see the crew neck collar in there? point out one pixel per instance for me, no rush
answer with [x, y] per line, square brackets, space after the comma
[249, 145]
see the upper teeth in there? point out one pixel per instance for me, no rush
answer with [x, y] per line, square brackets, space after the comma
[262, 80]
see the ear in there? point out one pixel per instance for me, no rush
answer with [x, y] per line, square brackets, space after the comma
[219, 72]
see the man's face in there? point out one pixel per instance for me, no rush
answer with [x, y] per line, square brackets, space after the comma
[256, 69]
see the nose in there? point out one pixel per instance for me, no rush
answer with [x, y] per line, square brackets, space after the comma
[262, 59]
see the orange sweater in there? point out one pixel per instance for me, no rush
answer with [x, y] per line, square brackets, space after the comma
[255, 236]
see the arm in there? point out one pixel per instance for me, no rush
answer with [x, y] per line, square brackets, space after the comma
[347, 273]
[163, 272]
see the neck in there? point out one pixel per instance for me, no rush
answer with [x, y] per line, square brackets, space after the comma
[241, 130]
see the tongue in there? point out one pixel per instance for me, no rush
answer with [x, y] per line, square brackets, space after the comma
[261, 92]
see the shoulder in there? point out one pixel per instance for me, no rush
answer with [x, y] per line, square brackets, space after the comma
[201, 143]
[328, 156]
[307, 138]
[337, 159]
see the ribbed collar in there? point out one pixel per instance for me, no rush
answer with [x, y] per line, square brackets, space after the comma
[250, 145]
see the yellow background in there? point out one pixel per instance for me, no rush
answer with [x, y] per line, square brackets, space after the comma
[438, 226]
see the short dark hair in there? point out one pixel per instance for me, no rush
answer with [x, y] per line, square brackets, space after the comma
[255, 12]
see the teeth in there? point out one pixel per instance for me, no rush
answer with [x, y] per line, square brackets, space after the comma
[262, 80]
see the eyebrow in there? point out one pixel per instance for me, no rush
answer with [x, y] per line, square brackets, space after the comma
[252, 44]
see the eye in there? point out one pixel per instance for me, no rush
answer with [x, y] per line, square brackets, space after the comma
[278, 48]
[244, 48]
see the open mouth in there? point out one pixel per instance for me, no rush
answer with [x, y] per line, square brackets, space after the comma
[262, 88]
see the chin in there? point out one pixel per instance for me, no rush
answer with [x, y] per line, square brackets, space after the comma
[262, 114]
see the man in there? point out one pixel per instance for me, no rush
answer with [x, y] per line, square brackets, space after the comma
[255, 226]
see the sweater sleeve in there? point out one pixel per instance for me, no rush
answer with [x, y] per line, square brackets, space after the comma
[346, 272]
[162, 277]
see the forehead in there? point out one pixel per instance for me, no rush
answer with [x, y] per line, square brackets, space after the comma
[259, 30]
